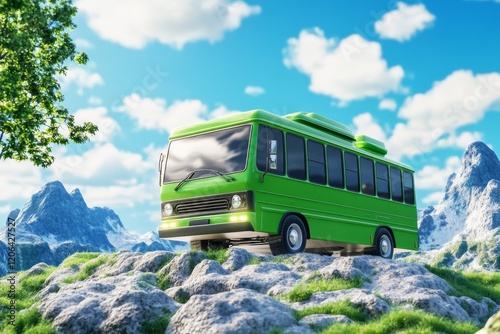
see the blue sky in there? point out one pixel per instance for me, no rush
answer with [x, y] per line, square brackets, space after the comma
[424, 77]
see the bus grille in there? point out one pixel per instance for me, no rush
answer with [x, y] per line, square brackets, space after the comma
[212, 204]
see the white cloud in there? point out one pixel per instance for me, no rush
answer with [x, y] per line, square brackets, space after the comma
[82, 43]
[365, 124]
[254, 90]
[19, 180]
[5, 209]
[387, 104]
[155, 114]
[95, 100]
[81, 78]
[404, 22]
[432, 198]
[133, 23]
[117, 195]
[102, 164]
[353, 69]
[460, 141]
[434, 177]
[98, 116]
[432, 118]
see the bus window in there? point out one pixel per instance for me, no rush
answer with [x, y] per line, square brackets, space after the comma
[396, 189]
[296, 156]
[316, 162]
[408, 186]
[382, 180]
[270, 146]
[335, 167]
[367, 176]
[351, 172]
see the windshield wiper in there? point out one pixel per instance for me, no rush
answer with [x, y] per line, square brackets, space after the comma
[226, 177]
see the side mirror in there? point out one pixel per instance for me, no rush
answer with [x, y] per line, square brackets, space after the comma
[161, 168]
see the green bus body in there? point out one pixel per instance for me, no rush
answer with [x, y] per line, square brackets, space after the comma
[200, 208]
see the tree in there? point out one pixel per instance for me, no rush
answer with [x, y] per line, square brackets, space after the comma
[34, 48]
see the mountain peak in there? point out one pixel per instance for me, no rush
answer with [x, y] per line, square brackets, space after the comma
[479, 165]
[77, 198]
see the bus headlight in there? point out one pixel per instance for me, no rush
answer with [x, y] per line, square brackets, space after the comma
[168, 209]
[236, 202]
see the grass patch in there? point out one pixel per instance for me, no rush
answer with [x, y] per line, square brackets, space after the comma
[254, 260]
[78, 258]
[162, 282]
[219, 255]
[157, 326]
[403, 321]
[304, 291]
[473, 285]
[28, 321]
[343, 307]
[87, 269]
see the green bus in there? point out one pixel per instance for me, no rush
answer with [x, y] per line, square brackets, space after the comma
[299, 181]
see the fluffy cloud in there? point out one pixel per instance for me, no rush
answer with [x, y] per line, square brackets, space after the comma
[432, 118]
[387, 104]
[98, 116]
[434, 177]
[404, 22]
[432, 198]
[133, 24]
[365, 124]
[155, 114]
[117, 195]
[352, 69]
[102, 164]
[19, 180]
[81, 78]
[254, 90]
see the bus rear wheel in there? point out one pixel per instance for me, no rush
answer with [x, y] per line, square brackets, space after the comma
[292, 238]
[384, 244]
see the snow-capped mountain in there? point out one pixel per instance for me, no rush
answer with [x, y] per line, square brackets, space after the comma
[464, 227]
[54, 224]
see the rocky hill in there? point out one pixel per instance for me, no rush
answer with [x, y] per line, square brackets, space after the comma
[54, 224]
[241, 292]
[463, 229]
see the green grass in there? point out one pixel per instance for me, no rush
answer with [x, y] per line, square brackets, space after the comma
[87, 269]
[219, 255]
[304, 291]
[157, 326]
[28, 321]
[404, 321]
[78, 258]
[343, 307]
[473, 285]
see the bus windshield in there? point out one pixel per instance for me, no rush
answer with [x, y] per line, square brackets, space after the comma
[224, 151]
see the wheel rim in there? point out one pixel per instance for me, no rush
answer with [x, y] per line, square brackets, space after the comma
[294, 236]
[385, 246]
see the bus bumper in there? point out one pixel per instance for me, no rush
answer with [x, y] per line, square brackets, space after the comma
[198, 230]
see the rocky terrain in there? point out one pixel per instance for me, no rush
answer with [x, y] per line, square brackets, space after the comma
[241, 292]
[54, 224]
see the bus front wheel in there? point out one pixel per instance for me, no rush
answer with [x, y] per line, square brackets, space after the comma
[384, 244]
[292, 238]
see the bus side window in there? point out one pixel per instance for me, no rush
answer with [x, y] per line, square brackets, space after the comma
[367, 176]
[296, 156]
[396, 186]
[382, 180]
[351, 172]
[335, 167]
[316, 162]
[270, 147]
[408, 187]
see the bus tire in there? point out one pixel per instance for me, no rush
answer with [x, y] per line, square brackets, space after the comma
[292, 238]
[384, 244]
[199, 245]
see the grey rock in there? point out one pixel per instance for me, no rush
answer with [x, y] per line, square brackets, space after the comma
[240, 311]
[181, 267]
[36, 269]
[319, 322]
[117, 304]
[238, 258]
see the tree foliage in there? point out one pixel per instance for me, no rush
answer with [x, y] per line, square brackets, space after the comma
[34, 48]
